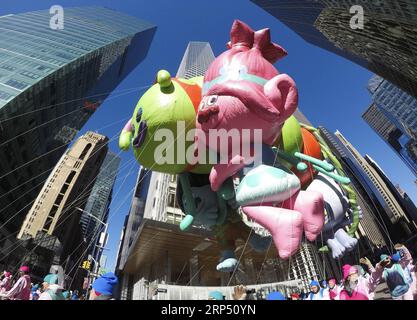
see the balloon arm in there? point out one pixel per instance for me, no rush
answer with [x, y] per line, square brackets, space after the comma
[326, 166]
[189, 205]
[340, 179]
[125, 137]
[301, 166]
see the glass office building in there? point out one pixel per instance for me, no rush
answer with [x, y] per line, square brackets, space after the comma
[393, 116]
[51, 82]
[100, 197]
[385, 45]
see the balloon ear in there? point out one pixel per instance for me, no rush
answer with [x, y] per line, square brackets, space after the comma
[163, 77]
[282, 92]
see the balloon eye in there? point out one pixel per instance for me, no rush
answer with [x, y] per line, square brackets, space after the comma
[139, 115]
[212, 100]
[137, 142]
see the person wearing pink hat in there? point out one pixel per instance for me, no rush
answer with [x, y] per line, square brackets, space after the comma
[357, 287]
[6, 282]
[334, 289]
[21, 289]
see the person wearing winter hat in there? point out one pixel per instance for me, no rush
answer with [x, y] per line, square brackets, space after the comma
[102, 288]
[357, 287]
[316, 293]
[398, 279]
[334, 290]
[21, 289]
[51, 289]
[215, 295]
[406, 262]
[6, 282]
[275, 295]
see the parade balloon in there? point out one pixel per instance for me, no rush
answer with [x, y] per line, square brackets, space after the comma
[243, 90]
[170, 105]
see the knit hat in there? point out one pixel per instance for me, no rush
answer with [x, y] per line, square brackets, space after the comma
[66, 294]
[51, 279]
[314, 283]
[275, 295]
[383, 257]
[295, 295]
[396, 257]
[7, 274]
[216, 295]
[24, 268]
[105, 284]
[348, 270]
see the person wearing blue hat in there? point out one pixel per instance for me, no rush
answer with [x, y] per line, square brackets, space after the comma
[316, 293]
[215, 295]
[275, 295]
[398, 279]
[102, 288]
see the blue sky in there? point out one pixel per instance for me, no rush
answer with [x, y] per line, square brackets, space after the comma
[332, 90]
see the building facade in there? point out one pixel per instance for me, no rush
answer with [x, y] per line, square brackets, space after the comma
[68, 187]
[51, 82]
[384, 45]
[393, 117]
[98, 205]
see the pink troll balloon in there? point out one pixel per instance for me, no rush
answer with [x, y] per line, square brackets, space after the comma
[243, 90]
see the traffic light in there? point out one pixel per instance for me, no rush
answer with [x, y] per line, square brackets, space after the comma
[86, 265]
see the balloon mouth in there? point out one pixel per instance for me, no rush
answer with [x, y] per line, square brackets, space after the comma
[206, 112]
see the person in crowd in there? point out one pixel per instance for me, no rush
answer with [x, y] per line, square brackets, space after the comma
[75, 295]
[240, 293]
[275, 295]
[216, 295]
[51, 289]
[102, 288]
[398, 279]
[355, 286]
[406, 262]
[21, 289]
[6, 282]
[316, 293]
[294, 296]
[34, 292]
[334, 289]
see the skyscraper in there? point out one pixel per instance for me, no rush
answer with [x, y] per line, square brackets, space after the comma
[101, 194]
[393, 117]
[51, 82]
[98, 203]
[196, 60]
[68, 187]
[384, 45]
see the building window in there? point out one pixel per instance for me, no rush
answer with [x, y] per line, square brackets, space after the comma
[17, 84]
[83, 154]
